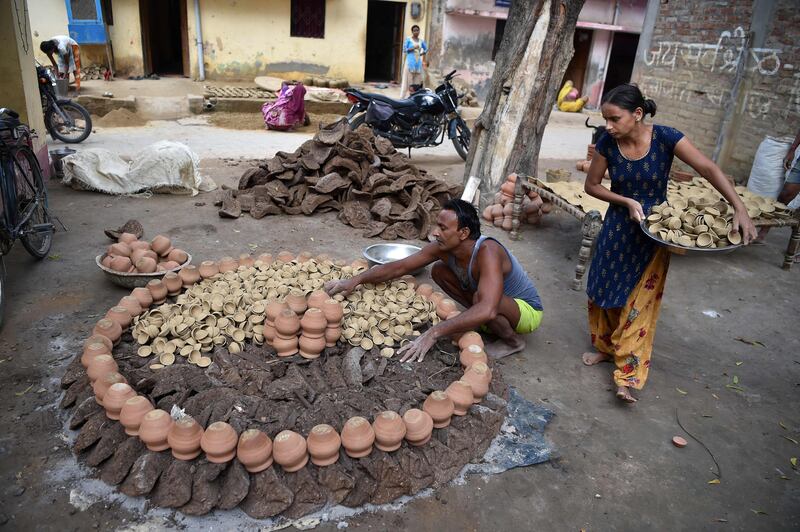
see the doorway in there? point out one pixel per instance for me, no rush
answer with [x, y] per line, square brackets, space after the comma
[164, 37]
[384, 40]
[576, 71]
[621, 59]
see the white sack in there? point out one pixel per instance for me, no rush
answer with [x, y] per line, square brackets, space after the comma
[767, 174]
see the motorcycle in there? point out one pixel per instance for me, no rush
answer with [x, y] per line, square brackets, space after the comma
[64, 119]
[421, 120]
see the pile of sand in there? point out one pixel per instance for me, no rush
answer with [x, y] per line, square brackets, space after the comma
[120, 118]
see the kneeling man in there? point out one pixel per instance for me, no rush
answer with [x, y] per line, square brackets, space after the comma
[476, 271]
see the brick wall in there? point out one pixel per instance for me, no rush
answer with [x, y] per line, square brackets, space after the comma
[690, 66]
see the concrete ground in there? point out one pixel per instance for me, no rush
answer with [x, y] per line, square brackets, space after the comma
[726, 319]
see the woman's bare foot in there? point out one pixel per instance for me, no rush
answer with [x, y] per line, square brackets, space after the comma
[504, 347]
[592, 358]
[624, 394]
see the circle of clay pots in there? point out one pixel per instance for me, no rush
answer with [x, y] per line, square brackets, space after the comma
[99, 338]
[478, 376]
[419, 426]
[120, 315]
[119, 250]
[461, 394]
[184, 438]
[470, 338]
[143, 296]
[296, 301]
[132, 413]
[254, 450]
[158, 290]
[445, 307]
[389, 431]
[92, 351]
[161, 245]
[323, 445]
[100, 365]
[290, 451]
[208, 268]
[178, 255]
[440, 407]
[425, 290]
[173, 283]
[131, 304]
[189, 275]
[227, 264]
[154, 429]
[265, 258]
[115, 398]
[219, 442]
[357, 437]
[246, 260]
[121, 264]
[286, 256]
[317, 298]
[472, 354]
[106, 381]
[127, 238]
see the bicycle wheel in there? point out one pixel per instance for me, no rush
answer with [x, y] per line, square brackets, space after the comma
[75, 129]
[32, 195]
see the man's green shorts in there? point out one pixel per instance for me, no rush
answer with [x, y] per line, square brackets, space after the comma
[529, 318]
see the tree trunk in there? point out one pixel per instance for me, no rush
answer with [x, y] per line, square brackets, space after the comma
[535, 52]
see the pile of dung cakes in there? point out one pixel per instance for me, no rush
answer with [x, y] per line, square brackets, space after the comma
[500, 211]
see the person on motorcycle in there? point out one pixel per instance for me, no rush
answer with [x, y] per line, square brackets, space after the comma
[476, 271]
[415, 49]
[65, 55]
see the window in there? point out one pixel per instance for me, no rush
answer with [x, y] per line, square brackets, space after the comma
[83, 9]
[308, 18]
[499, 29]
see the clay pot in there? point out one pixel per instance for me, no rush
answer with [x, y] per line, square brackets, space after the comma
[273, 309]
[208, 268]
[115, 397]
[419, 426]
[312, 339]
[304, 256]
[440, 407]
[445, 307]
[317, 298]
[285, 256]
[120, 315]
[246, 260]
[389, 431]
[173, 283]
[127, 238]
[227, 264]
[154, 428]
[132, 413]
[158, 290]
[487, 214]
[507, 188]
[169, 265]
[178, 255]
[357, 437]
[470, 338]
[254, 450]
[101, 365]
[333, 315]
[161, 245]
[119, 250]
[471, 355]
[108, 328]
[297, 302]
[131, 304]
[323, 257]
[92, 351]
[106, 261]
[219, 442]
[121, 264]
[497, 215]
[507, 224]
[138, 244]
[323, 445]
[98, 338]
[143, 296]
[478, 376]
[184, 438]
[287, 324]
[138, 254]
[425, 290]
[290, 450]
[189, 275]
[436, 298]
[101, 385]
[266, 259]
[461, 394]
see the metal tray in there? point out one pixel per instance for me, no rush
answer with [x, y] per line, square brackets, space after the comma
[134, 280]
[683, 250]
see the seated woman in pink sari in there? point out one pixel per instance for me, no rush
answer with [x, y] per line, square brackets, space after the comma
[288, 110]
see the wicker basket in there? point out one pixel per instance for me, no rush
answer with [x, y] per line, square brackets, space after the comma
[135, 279]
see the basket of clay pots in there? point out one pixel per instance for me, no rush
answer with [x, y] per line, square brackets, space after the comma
[132, 263]
[135, 279]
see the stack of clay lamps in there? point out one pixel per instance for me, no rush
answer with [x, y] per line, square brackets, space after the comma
[694, 222]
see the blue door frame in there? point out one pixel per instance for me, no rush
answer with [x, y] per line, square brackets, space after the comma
[87, 31]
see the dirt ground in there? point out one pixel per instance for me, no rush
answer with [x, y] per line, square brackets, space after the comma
[726, 319]
[255, 121]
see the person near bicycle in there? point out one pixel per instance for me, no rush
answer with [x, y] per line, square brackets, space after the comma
[65, 55]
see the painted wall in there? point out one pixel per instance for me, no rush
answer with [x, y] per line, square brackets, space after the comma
[48, 18]
[126, 38]
[467, 47]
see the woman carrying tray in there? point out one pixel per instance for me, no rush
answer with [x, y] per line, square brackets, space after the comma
[628, 270]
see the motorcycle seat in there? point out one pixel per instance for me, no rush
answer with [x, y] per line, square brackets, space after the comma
[391, 101]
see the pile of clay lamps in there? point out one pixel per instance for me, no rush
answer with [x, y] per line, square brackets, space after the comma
[501, 211]
[693, 223]
[700, 193]
[131, 255]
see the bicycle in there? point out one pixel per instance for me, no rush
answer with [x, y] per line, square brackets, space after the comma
[23, 195]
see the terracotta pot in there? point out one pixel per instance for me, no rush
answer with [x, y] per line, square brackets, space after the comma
[312, 340]
[98, 338]
[101, 385]
[138, 254]
[106, 261]
[389, 431]
[173, 283]
[120, 315]
[419, 426]
[143, 296]
[323, 445]
[290, 451]
[92, 351]
[139, 244]
[286, 256]
[297, 302]
[304, 256]
[184, 438]
[511, 178]
[154, 428]
[333, 312]
[317, 298]
[227, 264]
[507, 224]
[266, 259]
[487, 214]
[478, 376]
[161, 245]
[115, 397]
[461, 394]
[170, 265]
[440, 407]
[189, 275]
[131, 304]
[121, 264]
[470, 338]
[108, 328]
[127, 238]
[208, 268]
[273, 309]
[332, 335]
[132, 413]
[219, 442]
[178, 255]
[445, 307]
[158, 290]
[357, 437]
[323, 257]
[246, 260]
[425, 290]
[119, 250]
[101, 365]
[254, 450]
[472, 354]
[436, 297]
[287, 325]
[507, 188]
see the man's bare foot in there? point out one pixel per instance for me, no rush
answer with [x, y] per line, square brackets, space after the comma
[502, 347]
[624, 394]
[592, 358]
